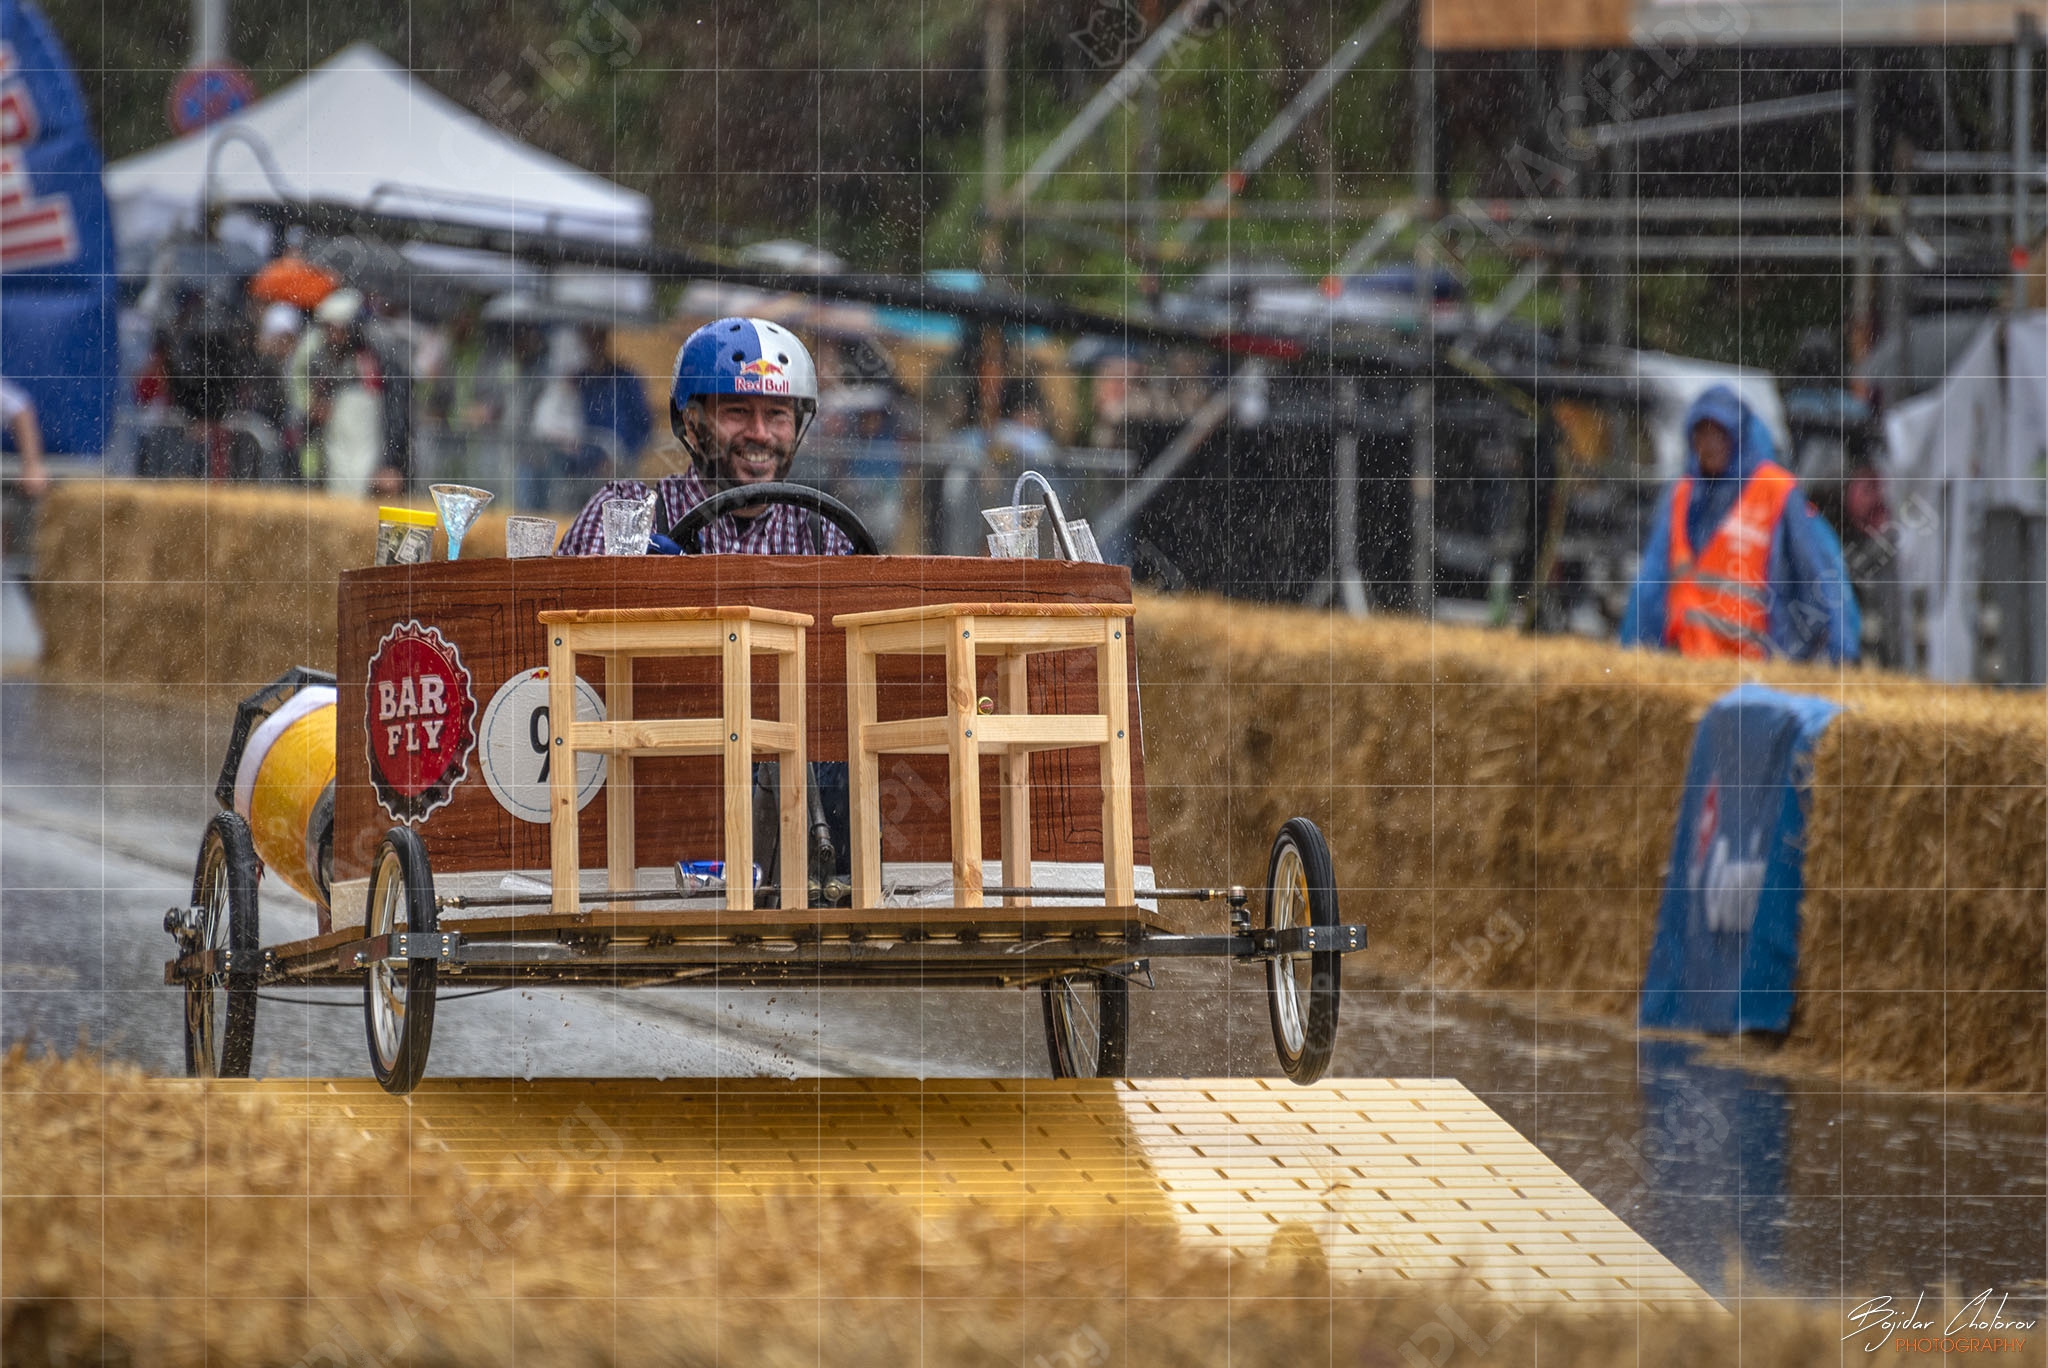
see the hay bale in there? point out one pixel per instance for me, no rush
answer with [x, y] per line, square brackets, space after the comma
[174, 585]
[166, 1222]
[1501, 807]
[1922, 937]
[1502, 810]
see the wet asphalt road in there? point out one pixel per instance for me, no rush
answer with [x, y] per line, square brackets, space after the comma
[1754, 1184]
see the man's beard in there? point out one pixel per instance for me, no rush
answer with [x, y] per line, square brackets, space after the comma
[716, 466]
[758, 454]
[763, 459]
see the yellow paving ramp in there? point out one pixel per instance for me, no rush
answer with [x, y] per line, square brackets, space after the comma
[1408, 1179]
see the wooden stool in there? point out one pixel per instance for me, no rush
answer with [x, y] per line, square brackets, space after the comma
[1012, 632]
[622, 635]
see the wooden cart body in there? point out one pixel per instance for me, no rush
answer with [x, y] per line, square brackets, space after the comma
[486, 612]
[439, 861]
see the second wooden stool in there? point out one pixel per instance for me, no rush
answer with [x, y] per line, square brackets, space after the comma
[962, 632]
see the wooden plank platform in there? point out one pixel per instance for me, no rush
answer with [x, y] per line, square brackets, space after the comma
[1400, 1180]
[931, 923]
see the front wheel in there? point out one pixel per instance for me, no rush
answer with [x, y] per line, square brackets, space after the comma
[1087, 1024]
[1302, 990]
[398, 993]
[220, 1006]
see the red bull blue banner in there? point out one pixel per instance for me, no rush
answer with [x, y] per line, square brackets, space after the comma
[1727, 948]
[58, 337]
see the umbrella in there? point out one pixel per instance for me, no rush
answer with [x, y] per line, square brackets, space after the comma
[291, 280]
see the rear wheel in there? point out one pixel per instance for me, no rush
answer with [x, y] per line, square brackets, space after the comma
[1087, 1024]
[1302, 990]
[220, 1006]
[398, 993]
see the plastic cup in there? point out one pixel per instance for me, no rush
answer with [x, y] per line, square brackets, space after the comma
[627, 525]
[459, 505]
[1083, 538]
[529, 536]
[1014, 545]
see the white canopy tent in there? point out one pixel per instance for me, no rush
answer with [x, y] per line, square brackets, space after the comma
[363, 131]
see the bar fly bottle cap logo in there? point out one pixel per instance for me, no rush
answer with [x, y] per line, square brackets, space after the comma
[419, 716]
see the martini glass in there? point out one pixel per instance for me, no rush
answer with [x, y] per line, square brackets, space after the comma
[459, 505]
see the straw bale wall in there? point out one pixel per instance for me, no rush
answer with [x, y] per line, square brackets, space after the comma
[1501, 808]
[340, 1245]
[178, 586]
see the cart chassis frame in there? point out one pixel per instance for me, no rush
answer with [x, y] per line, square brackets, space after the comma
[525, 956]
[1017, 946]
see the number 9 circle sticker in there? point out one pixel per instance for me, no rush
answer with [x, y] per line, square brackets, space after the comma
[513, 743]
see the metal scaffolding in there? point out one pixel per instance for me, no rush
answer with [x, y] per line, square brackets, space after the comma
[1960, 217]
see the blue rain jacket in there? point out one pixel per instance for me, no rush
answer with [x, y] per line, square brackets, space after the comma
[1813, 612]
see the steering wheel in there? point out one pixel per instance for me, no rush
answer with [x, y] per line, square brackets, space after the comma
[688, 528]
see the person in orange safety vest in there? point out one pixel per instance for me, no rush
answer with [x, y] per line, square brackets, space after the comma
[1737, 562]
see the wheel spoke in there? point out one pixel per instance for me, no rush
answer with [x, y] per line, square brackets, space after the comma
[1284, 972]
[1085, 1031]
[201, 1014]
[1076, 1025]
[1302, 985]
[387, 984]
[203, 997]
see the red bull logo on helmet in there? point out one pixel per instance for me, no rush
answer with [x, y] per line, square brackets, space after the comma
[761, 376]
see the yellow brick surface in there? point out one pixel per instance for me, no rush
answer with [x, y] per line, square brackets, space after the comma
[1409, 1179]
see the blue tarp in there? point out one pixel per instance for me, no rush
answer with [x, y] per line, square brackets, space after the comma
[1727, 947]
[58, 335]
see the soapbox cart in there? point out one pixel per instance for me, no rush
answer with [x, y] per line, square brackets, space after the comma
[431, 802]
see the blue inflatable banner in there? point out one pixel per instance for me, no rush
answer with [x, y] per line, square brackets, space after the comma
[58, 336]
[1727, 945]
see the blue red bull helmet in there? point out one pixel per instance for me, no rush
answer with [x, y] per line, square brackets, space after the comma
[744, 356]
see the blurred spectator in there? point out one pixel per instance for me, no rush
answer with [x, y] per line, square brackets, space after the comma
[206, 352]
[265, 392]
[867, 415]
[1110, 398]
[550, 463]
[18, 417]
[616, 418]
[347, 406]
[1017, 441]
[448, 365]
[395, 334]
[508, 377]
[1022, 436]
[205, 356]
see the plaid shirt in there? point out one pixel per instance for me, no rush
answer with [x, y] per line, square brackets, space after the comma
[781, 531]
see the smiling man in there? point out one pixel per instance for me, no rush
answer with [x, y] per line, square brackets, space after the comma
[743, 395]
